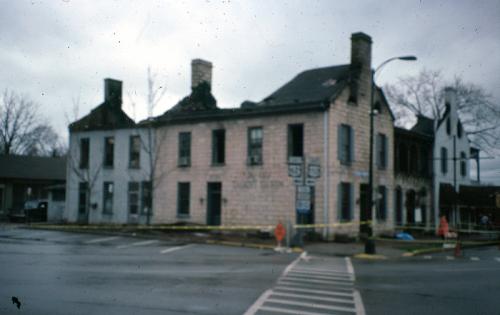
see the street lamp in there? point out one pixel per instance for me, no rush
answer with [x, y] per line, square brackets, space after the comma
[370, 248]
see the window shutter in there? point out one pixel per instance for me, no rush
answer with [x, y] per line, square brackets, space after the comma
[339, 201]
[351, 202]
[378, 147]
[386, 153]
[351, 144]
[339, 143]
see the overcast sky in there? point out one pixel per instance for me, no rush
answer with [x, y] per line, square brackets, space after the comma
[56, 51]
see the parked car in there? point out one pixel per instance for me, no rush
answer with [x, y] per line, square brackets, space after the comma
[32, 211]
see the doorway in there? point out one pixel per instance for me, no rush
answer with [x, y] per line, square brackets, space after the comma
[214, 202]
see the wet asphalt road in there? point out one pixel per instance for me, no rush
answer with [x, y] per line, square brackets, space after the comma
[432, 284]
[65, 273]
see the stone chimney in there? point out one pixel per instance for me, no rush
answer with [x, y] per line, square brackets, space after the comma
[361, 60]
[113, 92]
[201, 70]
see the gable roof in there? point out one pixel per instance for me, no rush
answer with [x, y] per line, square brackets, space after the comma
[424, 125]
[314, 85]
[106, 116]
[32, 167]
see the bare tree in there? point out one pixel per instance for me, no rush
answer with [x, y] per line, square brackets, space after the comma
[151, 139]
[423, 94]
[23, 130]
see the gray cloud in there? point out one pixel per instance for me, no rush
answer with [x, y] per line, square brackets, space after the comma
[56, 50]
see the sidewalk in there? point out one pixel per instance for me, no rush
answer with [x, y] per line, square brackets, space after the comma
[352, 249]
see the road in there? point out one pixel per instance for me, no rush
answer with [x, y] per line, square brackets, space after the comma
[55, 272]
[432, 284]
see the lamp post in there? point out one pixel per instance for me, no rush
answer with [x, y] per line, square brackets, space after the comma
[370, 247]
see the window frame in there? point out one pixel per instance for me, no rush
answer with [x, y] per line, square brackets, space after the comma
[133, 154]
[255, 148]
[84, 158]
[382, 151]
[107, 195]
[136, 192]
[146, 199]
[182, 201]
[184, 149]
[218, 147]
[463, 164]
[345, 145]
[444, 160]
[345, 207]
[381, 203]
[291, 146]
[109, 152]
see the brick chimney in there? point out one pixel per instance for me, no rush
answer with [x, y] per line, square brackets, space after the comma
[361, 60]
[201, 70]
[113, 92]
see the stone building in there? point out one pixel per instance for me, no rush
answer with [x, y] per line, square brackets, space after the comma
[108, 178]
[229, 166]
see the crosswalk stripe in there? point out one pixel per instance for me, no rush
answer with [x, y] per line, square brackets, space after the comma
[308, 276]
[325, 274]
[288, 311]
[173, 249]
[292, 278]
[308, 285]
[497, 259]
[313, 297]
[312, 305]
[474, 258]
[450, 258]
[312, 270]
[427, 257]
[100, 240]
[142, 243]
[316, 291]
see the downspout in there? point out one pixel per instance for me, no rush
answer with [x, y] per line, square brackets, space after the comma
[326, 179]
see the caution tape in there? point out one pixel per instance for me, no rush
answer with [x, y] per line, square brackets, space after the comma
[328, 225]
[433, 227]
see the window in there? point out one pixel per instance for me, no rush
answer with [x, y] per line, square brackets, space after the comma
[82, 197]
[345, 144]
[184, 148]
[133, 197]
[107, 197]
[382, 203]
[381, 151]
[183, 190]
[345, 196]
[147, 197]
[448, 126]
[134, 152]
[463, 164]
[459, 129]
[399, 206]
[218, 146]
[296, 140]
[109, 145]
[255, 145]
[84, 153]
[444, 160]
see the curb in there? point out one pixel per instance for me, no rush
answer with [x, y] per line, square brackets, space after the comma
[370, 256]
[441, 249]
[250, 245]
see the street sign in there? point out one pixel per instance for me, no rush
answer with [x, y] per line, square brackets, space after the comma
[295, 170]
[313, 171]
[295, 160]
[303, 193]
[303, 206]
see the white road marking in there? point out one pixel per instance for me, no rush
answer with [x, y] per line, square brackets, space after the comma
[360, 308]
[295, 262]
[102, 239]
[450, 258]
[313, 297]
[312, 270]
[300, 289]
[292, 278]
[312, 305]
[64, 238]
[474, 258]
[315, 276]
[497, 259]
[348, 262]
[427, 257]
[288, 311]
[173, 249]
[142, 243]
[255, 306]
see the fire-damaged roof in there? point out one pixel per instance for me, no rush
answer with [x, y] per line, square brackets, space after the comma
[311, 86]
[32, 167]
[424, 125]
[106, 116]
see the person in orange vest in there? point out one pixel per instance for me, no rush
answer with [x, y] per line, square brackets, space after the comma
[443, 229]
